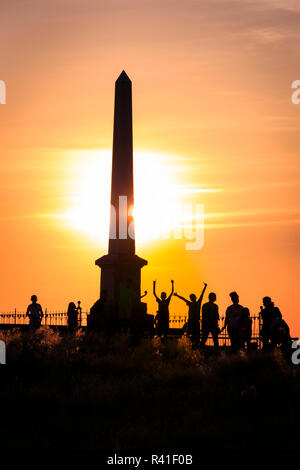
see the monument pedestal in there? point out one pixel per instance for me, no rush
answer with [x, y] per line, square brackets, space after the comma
[117, 270]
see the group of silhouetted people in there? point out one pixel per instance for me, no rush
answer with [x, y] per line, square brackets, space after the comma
[273, 329]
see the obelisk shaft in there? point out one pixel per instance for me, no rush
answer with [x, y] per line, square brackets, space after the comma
[121, 239]
[121, 267]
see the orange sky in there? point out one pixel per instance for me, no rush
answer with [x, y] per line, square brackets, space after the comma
[212, 108]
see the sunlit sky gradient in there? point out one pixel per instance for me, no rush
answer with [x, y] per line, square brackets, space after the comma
[212, 110]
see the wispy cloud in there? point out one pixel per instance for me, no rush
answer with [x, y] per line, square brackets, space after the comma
[239, 224]
[262, 186]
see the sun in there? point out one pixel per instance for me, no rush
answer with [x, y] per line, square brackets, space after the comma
[157, 198]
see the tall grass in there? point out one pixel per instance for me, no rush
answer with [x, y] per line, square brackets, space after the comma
[91, 392]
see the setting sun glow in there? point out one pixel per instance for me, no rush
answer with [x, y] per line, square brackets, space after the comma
[158, 198]
[213, 125]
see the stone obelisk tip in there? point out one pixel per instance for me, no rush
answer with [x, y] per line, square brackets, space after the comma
[123, 77]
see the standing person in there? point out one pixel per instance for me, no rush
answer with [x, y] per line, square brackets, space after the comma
[245, 329]
[127, 303]
[35, 313]
[270, 316]
[210, 319]
[72, 315]
[194, 314]
[162, 316]
[232, 321]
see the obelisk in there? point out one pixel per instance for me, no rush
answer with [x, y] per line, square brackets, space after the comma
[121, 266]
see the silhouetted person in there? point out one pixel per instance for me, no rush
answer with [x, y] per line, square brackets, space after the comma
[127, 303]
[162, 317]
[96, 319]
[194, 314]
[245, 329]
[72, 317]
[232, 321]
[98, 307]
[137, 324]
[35, 313]
[270, 316]
[210, 319]
[281, 337]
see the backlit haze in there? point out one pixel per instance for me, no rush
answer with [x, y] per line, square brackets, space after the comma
[213, 124]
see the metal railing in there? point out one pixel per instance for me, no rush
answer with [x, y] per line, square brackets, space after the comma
[176, 322]
[179, 321]
[50, 318]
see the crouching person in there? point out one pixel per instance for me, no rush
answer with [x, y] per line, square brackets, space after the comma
[35, 314]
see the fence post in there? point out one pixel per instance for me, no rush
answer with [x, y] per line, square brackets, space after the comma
[46, 315]
[15, 316]
[259, 330]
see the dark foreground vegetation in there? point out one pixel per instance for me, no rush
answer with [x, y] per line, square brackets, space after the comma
[89, 392]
